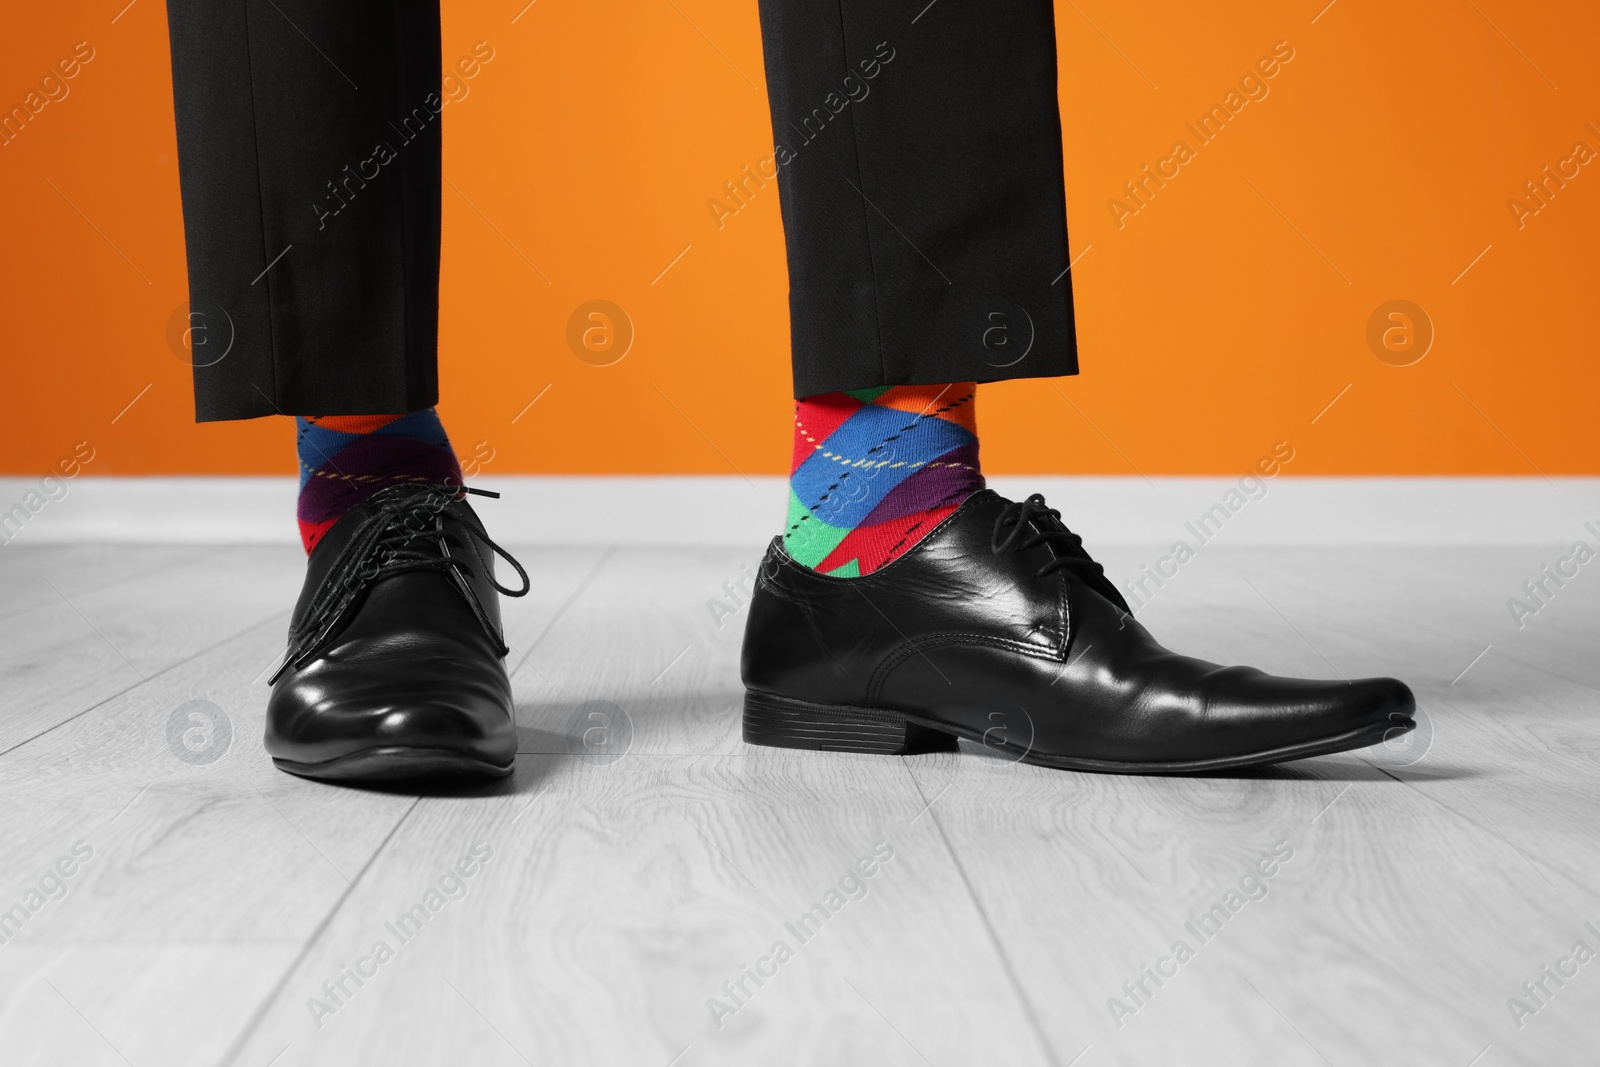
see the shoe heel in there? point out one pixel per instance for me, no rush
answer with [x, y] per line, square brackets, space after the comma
[783, 722]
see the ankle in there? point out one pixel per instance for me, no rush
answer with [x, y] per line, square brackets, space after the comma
[875, 470]
[344, 459]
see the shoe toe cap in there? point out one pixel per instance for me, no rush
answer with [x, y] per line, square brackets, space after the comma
[1298, 710]
[342, 704]
[1244, 707]
[1374, 701]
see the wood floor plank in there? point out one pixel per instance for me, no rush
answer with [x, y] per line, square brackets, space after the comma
[643, 858]
[120, 769]
[230, 850]
[1404, 611]
[191, 886]
[1420, 895]
[619, 897]
[34, 576]
[1393, 934]
[182, 853]
[93, 1006]
[666, 678]
[68, 654]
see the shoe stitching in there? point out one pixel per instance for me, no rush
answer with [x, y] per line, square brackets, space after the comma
[913, 646]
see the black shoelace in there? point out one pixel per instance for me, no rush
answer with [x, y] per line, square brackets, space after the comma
[404, 534]
[1047, 528]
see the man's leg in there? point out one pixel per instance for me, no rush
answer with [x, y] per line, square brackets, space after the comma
[921, 185]
[308, 150]
[919, 160]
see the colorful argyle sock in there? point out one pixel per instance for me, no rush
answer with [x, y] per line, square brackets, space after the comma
[875, 470]
[346, 458]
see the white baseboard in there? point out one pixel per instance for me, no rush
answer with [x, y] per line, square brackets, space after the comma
[733, 511]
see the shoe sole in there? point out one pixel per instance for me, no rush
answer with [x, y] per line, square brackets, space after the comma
[396, 764]
[784, 722]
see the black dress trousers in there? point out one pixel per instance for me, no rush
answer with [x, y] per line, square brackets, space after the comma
[919, 170]
[918, 149]
[308, 157]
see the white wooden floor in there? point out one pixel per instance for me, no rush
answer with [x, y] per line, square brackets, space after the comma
[643, 862]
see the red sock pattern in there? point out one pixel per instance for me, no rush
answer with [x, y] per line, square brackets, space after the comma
[874, 470]
[344, 459]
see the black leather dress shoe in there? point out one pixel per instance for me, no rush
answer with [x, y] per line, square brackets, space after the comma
[395, 671]
[998, 627]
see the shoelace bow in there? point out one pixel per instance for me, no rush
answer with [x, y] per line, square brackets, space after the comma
[1048, 529]
[405, 534]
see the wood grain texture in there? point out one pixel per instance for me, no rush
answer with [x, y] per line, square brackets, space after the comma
[620, 897]
[643, 858]
[115, 1005]
[101, 634]
[1421, 894]
[656, 634]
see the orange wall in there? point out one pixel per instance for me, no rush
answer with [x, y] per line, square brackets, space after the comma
[1221, 318]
